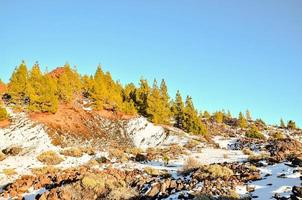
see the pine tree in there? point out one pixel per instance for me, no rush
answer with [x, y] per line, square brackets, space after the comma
[154, 109]
[192, 123]
[35, 87]
[129, 99]
[87, 85]
[69, 84]
[99, 92]
[142, 95]
[178, 111]
[165, 104]
[206, 115]
[18, 85]
[291, 124]
[242, 122]
[219, 116]
[282, 124]
[49, 98]
[229, 115]
[248, 115]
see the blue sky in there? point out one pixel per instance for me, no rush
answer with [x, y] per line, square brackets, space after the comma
[235, 54]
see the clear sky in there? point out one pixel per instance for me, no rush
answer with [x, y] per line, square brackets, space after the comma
[234, 54]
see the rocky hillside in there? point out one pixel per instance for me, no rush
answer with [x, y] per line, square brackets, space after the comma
[78, 153]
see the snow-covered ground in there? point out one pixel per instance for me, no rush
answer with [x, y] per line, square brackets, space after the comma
[144, 134]
[277, 179]
[33, 139]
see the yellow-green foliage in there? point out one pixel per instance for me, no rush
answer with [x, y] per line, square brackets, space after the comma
[44, 170]
[278, 135]
[192, 122]
[9, 172]
[242, 122]
[93, 181]
[256, 158]
[50, 158]
[73, 152]
[253, 132]
[178, 110]
[69, 84]
[219, 116]
[18, 85]
[158, 109]
[247, 151]
[218, 171]
[3, 114]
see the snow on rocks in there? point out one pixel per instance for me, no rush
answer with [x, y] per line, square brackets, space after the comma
[33, 139]
[144, 134]
[278, 179]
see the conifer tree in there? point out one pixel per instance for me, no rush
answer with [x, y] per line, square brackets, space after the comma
[242, 122]
[206, 115]
[49, 98]
[87, 85]
[178, 111]
[142, 95]
[99, 89]
[69, 84]
[192, 123]
[219, 116]
[165, 103]
[229, 115]
[291, 124]
[129, 98]
[248, 115]
[18, 85]
[154, 109]
[282, 124]
[35, 87]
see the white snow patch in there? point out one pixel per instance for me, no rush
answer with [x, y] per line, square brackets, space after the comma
[145, 134]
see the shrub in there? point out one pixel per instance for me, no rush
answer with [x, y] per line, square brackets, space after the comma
[190, 164]
[278, 136]
[50, 158]
[9, 172]
[72, 152]
[122, 193]
[152, 171]
[3, 114]
[94, 182]
[44, 170]
[253, 132]
[256, 158]
[247, 151]
[217, 171]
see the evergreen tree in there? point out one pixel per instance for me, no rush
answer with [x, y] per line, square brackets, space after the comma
[129, 99]
[229, 115]
[291, 124]
[99, 89]
[178, 111]
[219, 116]
[207, 115]
[142, 95]
[242, 122]
[282, 124]
[165, 103]
[18, 85]
[192, 123]
[154, 104]
[248, 115]
[49, 98]
[69, 84]
[87, 85]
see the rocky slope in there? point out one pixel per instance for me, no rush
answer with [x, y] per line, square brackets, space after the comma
[81, 154]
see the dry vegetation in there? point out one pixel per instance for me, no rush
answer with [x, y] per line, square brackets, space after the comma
[50, 158]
